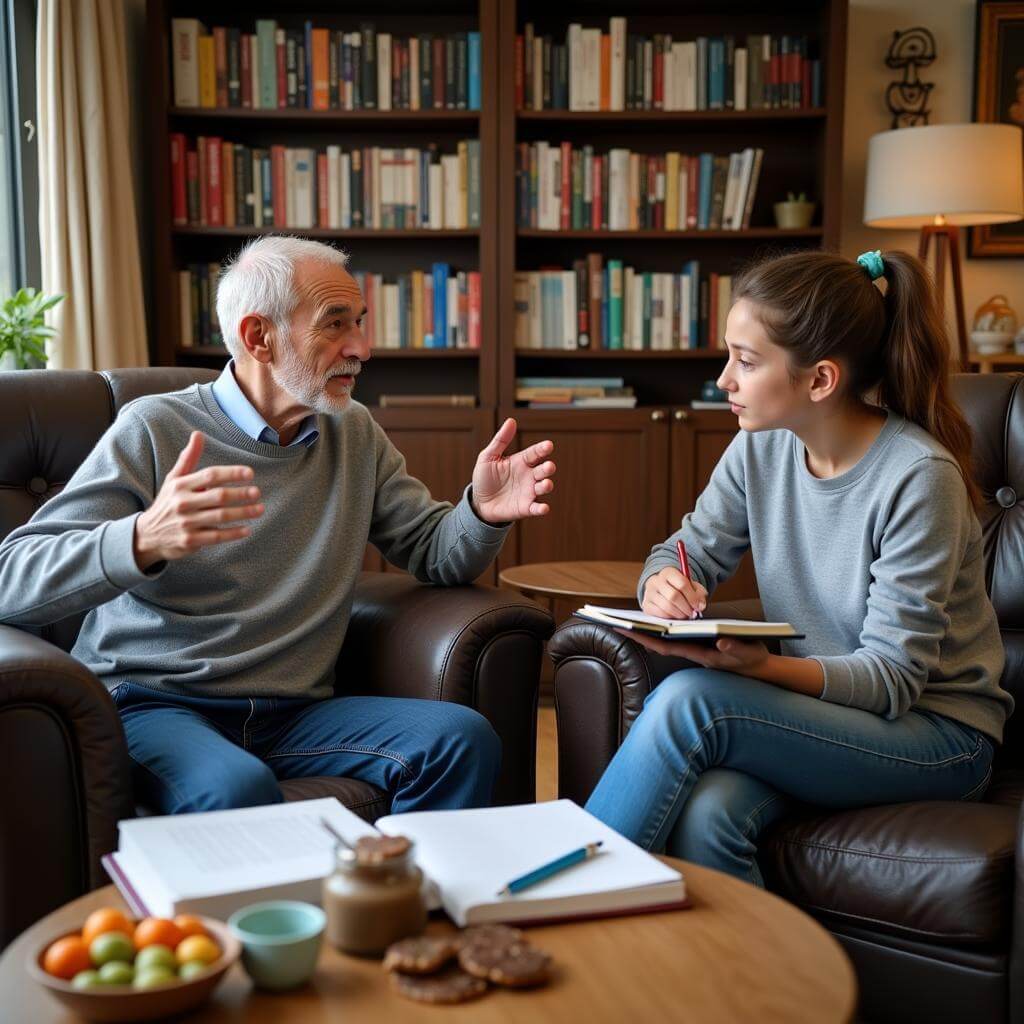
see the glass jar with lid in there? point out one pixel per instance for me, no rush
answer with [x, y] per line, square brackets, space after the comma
[374, 896]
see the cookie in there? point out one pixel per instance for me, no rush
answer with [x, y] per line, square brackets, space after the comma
[452, 985]
[423, 955]
[516, 965]
[490, 935]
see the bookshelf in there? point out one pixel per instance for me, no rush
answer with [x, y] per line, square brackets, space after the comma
[645, 465]
[387, 251]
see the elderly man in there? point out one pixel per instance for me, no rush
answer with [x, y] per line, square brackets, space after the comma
[215, 536]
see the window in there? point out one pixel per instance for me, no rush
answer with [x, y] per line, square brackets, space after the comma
[19, 182]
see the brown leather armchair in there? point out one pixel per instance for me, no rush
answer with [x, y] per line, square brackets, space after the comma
[926, 898]
[65, 777]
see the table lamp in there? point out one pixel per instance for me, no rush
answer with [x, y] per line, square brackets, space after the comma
[939, 178]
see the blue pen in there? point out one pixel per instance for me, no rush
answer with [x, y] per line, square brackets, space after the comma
[551, 868]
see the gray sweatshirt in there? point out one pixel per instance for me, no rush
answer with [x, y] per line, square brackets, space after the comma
[263, 616]
[881, 567]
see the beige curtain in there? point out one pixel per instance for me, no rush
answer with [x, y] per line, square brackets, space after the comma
[87, 225]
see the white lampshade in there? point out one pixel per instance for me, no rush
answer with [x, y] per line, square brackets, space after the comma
[965, 173]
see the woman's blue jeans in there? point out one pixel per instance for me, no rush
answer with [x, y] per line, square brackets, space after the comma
[714, 758]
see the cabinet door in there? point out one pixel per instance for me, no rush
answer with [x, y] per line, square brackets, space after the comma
[440, 448]
[611, 495]
[698, 440]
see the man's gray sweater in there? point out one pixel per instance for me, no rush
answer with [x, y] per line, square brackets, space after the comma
[263, 616]
[881, 567]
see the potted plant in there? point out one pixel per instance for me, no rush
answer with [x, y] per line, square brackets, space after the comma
[23, 333]
[796, 211]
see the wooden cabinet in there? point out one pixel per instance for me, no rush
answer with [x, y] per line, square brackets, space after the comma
[611, 491]
[440, 448]
[625, 479]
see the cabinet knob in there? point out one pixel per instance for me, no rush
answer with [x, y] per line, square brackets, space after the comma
[658, 415]
[681, 415]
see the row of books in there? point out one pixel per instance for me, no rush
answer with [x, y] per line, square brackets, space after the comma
[600, 305]
[618, 70]
[216, 182]
[435, 308]
[561, 188]
[575, 393]
[274, 67]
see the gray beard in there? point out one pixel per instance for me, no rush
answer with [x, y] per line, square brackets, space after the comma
[308, 386]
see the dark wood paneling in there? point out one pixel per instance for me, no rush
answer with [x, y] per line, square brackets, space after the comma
[440, 448]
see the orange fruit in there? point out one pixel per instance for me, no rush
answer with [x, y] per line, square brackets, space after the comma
[197, 947]
[66, 957]
[106, 919]
[189, 924]
[157, 931]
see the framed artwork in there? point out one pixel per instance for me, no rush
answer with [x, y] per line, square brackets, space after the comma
[999, 96]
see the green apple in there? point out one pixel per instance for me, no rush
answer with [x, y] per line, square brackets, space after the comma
[155, 956]
[151, 977]
[191, 969]
[87, 979]
[111, 946]
[117, 972]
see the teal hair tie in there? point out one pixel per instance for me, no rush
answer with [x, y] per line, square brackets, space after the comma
[872, 263]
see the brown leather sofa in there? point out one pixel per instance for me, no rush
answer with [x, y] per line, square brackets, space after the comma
[65, 777]
[926, 898]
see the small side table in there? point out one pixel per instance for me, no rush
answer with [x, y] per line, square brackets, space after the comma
[604, 581]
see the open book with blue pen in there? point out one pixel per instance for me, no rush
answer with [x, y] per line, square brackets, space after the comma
[686, 629]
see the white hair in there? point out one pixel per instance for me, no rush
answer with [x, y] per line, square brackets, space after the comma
[261, 280]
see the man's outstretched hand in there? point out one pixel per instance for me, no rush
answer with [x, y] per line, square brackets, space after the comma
[508, 487]
[195, 509]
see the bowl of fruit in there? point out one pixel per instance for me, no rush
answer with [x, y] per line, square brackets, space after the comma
[116, 968]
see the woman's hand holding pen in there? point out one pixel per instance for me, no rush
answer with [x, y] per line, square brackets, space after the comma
[670, 595]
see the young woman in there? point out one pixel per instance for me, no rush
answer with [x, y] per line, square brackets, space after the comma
[850, 481]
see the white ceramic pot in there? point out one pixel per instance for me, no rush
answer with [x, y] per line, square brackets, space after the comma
[991, 343]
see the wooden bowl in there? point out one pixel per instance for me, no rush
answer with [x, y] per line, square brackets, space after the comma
[122, 1002]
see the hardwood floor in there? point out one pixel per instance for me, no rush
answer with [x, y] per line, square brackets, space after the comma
[547, 755]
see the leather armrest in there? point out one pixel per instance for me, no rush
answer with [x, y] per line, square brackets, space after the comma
[1015, 968]
[65, 780]
[602, 679]
[474, 645]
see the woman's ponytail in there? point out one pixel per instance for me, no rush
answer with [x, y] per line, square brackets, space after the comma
[916, 362]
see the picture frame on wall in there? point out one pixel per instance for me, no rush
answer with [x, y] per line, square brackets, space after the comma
[999, 97]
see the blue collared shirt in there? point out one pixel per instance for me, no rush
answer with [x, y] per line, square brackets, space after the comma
[240, 411]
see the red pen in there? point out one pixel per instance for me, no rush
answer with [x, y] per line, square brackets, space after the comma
[684, 566]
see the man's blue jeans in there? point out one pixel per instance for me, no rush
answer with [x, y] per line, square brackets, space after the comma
[206, 753]
[714, 758]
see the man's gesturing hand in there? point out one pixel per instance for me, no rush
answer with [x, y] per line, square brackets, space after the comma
[507, 487]
[192, 508]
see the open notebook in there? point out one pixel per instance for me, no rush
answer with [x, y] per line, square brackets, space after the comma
[685, 629]
[216, 862]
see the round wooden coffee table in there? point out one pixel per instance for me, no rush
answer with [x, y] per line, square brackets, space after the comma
[739, 954]
[600, 581]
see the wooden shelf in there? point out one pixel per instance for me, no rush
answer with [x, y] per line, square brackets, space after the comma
[321, 118]
[218, 351]
[619, 353]
[730, 117]
[986, 364]
[689, 235]
[303, 114]
[209, 231]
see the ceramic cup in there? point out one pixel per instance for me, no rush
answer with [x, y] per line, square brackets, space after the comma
[280, 941]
